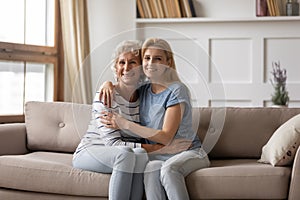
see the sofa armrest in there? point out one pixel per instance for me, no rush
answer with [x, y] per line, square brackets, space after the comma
[13, 139]
[294, 193]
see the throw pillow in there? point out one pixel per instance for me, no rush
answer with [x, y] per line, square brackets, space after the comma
[282, 146]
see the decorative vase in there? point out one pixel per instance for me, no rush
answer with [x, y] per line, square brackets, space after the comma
[292, 8]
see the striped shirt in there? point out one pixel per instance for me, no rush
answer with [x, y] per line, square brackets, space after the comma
[98, 134]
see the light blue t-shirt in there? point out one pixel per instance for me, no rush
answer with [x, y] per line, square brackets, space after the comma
[153, 107]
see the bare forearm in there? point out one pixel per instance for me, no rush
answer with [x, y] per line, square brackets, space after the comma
[158, 136]
[176, 146]
[152, 147]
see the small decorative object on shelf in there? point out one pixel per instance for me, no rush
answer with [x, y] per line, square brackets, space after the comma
[280, 96]
[261, 8]
[292, 8]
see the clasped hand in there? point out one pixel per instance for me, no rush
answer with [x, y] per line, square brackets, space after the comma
[112, 120]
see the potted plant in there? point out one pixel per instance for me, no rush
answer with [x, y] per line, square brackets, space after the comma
[280, 96]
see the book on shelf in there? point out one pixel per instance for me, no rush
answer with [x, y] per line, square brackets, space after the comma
[160, 8]
[165, 8]
[176, 8]
[273, 8]
[173, 8]
[146, 8]
[182, 8]
[170, 8]
[153, 12]
[270, 8]
[154, 8]
[191, 4]
[187, 8]
[281, 6]
[140, 9]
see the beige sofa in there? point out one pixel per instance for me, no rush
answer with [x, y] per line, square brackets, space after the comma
[36, 157]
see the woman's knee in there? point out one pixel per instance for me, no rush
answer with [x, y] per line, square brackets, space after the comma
[153, 165]
[124, 160]
[124, 155]
[152, 173]
[141, 158]
[168, 171]
[181, 167]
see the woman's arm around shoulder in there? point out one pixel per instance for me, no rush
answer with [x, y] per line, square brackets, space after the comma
[106, 93]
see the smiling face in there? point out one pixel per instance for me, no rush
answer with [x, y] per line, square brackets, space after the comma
[128, 68]
[155, 63]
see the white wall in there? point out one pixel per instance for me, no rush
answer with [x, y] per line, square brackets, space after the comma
[225, 8]
[110, 21]
[241, 47]
[228, 63]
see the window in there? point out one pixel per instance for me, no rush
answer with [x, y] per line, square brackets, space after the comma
[31, 64]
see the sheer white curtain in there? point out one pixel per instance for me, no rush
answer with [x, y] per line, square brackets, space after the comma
[76, 49]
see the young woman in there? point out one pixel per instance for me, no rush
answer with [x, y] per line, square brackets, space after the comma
[165, 115]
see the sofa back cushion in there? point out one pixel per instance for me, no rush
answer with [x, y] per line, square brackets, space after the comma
[55, 126]
[238, 132]
[224, 132]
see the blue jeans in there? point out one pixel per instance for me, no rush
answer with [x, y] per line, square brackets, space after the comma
[166, 179]
[124, 163]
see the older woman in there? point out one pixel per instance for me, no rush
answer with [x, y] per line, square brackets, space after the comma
[113, 151]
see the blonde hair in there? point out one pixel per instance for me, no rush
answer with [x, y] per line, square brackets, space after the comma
[171, 73]
[127, 46]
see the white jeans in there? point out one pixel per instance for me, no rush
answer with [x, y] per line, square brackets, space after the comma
[126, 165]
[166, 179]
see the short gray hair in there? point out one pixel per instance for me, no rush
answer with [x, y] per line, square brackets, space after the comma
[127, 46]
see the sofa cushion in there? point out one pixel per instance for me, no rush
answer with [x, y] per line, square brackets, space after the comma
[239, 179]
[282, 146]
[50, 173]
[8, 194]
[55, 126]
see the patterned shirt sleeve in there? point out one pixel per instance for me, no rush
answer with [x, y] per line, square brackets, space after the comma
[111, 137]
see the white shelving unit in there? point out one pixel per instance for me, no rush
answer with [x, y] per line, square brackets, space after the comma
[214, 19]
